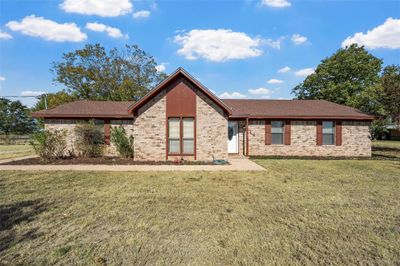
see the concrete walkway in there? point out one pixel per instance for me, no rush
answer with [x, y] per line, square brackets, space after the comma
[235, 165]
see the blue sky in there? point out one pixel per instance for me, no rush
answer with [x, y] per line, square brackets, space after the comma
[235, 48]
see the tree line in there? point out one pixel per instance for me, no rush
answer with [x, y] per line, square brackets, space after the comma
[351, 76]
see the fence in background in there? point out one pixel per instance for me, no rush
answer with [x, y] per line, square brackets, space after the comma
[14, 139]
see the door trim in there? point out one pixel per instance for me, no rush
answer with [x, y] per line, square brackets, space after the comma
[237, 137]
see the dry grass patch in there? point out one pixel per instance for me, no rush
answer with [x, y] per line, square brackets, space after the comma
[297, 212]
[14, 151]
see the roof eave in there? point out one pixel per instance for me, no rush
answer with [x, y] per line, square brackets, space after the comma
[315, 117]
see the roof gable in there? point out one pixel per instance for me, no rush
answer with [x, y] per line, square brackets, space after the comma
[164, 84]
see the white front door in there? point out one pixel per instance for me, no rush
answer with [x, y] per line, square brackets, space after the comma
[233, 140]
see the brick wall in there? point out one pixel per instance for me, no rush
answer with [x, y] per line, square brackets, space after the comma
[150, 130]
[211, 129]
[68, 126]
[355, 140]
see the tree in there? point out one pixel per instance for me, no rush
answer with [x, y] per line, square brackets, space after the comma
[53, 100]
[119, 75]
[391, 91]
[344, 78]
[14, 118]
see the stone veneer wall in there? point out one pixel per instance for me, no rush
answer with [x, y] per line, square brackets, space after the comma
[150, 130]
[355, 140]
[69, 126]
[211, 129]
[66, 125]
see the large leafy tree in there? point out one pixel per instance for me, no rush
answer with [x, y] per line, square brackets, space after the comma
[14, 118]
[391, 91]
[350, 76]
[53, 100]
[92, 73]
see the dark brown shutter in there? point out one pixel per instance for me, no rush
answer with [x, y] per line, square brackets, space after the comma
[107, 132]
[319, 133]
[338, 134]
[287, 132]
[267, 132]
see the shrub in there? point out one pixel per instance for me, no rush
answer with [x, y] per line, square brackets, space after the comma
[89, 140]
[49, 143]
[123, 143]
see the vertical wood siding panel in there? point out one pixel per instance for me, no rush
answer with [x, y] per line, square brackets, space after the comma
[107, 132]
[267, 132]
[338, 133]
[287, 132]
[319, 133]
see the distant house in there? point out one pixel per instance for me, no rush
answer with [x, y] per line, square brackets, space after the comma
[180, 118]
[393, 133]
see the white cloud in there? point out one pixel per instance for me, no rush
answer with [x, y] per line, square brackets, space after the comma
[276, 3]
[2, 78]
[161, 67]
[141, 14]
[274, 43]
[103, 8]
[218, 45]
[274, 81]
[111, 31]
[386, 35]
[260, 91]
[284, 69]
[304, 72]
[233, 95]
[32, 93]
[47, 29]
[5, 35]
[298, 39]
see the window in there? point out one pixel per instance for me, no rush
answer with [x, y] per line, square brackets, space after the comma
[174, 135]
[188, 135]
[277, 132]
[181, 142]
[328, 133]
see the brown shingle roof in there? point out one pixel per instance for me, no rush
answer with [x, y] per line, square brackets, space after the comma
[292, 109]
[88, 109]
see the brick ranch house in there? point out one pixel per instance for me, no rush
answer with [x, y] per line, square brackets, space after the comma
[180, 118]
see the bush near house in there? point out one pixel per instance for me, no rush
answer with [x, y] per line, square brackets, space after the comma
[123, 143]
[49, 144]
[89, 140]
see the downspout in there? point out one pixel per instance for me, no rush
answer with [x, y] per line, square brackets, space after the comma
[247, 136]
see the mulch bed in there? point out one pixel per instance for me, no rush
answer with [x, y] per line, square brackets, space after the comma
[100, 160]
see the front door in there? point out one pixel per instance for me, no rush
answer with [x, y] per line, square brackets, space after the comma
[233, 140]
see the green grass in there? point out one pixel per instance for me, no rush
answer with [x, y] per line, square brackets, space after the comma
[296, 212]
[14, 151]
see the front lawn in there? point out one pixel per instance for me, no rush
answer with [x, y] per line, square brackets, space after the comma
[386, 149]
[296, 212]
[14, 151]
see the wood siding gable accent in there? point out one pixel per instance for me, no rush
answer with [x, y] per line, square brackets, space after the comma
[181, 103]
[338, 133]
[267, 132]
[181, 99]
[287, 132]
[319, 133]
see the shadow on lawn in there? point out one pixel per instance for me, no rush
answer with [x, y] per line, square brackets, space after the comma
[14, 214]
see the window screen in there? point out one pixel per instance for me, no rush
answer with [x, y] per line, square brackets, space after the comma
[277, 132]
[174, 135]
[328, 133]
